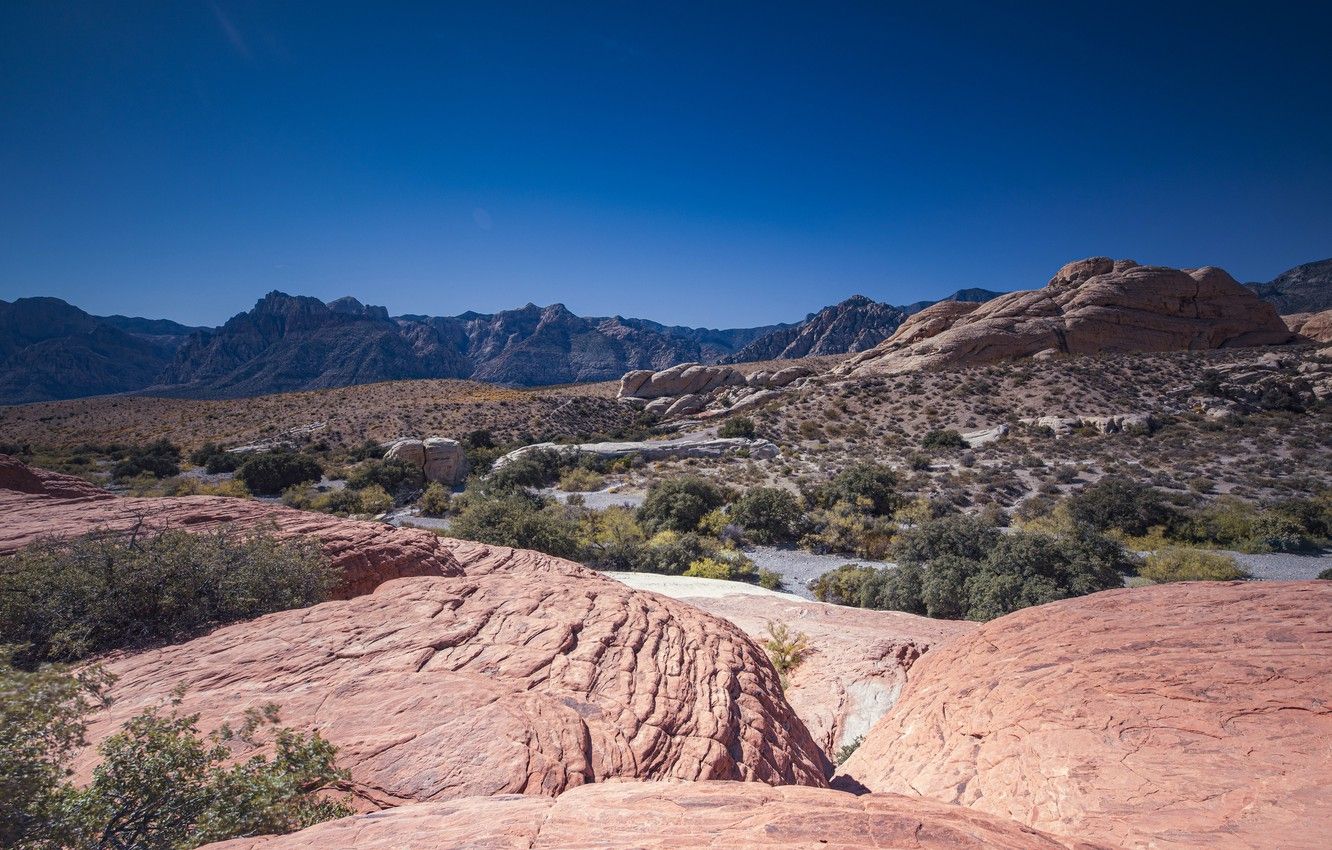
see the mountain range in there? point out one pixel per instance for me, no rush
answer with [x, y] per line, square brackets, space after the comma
[52, 350]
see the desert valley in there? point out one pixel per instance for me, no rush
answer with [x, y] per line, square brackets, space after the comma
[638, 426]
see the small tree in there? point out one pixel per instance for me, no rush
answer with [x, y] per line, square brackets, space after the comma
[738, 426]
[269, 473]
[769, 514]
[678, 504]
[786, 647]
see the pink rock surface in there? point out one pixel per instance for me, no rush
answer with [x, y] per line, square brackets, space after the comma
[1090, 306]
[1314, 326]
[1184, 715]
[625, 815]
[858, 662]
[523, 679]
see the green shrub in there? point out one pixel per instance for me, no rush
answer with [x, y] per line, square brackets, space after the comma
[435, 500]
[769, 514]
[678, 504]
[215, 459]
[943, 439]
[65, 600]
[870, 487]
[391, 475]
[847, 750]
[519, 521]
[844, 585]
[738, 426]
[580, 480]
[1117, 504]
[535, 468]
[269, 473]
[159, 785]
[960, 535]
[1178, 564]
[728, 564]
[161, 459]
[786, 647]
[374, 499]
[849, 530]
[1326, 574]
[771, 579]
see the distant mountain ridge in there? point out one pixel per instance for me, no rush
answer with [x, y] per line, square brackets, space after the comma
[1303, 289]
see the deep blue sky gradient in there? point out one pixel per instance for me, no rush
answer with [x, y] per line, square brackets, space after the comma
[715, 164]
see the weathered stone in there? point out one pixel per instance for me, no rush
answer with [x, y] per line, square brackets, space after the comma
[691, 446]
[1314, 326]
[1089, 307]
[1177, 716]
[687, 404]
[783, 377]
[406, 449]
[670, 816]
[445, 461]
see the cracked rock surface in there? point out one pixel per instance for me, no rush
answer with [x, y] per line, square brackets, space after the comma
[624, 815]
[1182, 715]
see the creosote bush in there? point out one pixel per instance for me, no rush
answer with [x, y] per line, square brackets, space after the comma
[1176, 564]
[769, 514]
[679, 504]
[269, 473]
[65, 600]
[738, 426]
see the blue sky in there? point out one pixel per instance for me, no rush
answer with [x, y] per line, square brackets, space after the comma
[717, 164]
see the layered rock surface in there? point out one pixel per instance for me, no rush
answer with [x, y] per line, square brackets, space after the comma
[631, 815]
[1182, 715]
[1091, 306]
[692, 389]
[1314, 326]
[440, 459]
[690, 446]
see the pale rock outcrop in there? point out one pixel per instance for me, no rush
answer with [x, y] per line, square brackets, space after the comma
[1062, 426]
[1314, 326]
[682, 380]
[1090, 306]
[670, 816]
[440, 459]
[1176, 716]
[690, 446]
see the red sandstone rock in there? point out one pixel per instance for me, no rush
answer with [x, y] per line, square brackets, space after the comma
[625, 815]
[1090, 306]
[523, 679]
[1314, 326]
[1184, 715]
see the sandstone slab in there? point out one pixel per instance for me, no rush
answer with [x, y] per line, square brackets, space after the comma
[1183, 715]
[690, 446]
[662, 816]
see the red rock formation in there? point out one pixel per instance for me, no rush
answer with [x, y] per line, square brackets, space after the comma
[624, 815]
[1314, 326]
[1184, 715]
[1089, 307]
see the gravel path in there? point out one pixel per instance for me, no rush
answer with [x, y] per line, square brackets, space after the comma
[798, 567]
[1282, 566]
[600, 499]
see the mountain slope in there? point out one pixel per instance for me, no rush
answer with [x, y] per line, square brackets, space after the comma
[854, 325]
[1303, 289]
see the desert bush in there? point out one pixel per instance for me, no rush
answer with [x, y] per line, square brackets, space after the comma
[769, 514]
[845, 529]
[269, 473]
[161, 459]
[945, 438]
[1179, 564]
[519, 521]
[959, 535]
[770, 579]
[844, 585]
[435, 500]
[712, 568]
[536, 468]
[215, 459]
[160, 785]
[1326, 575]
[738, 426]
[679, 504]
[65, 600]
[374, 499]
[847, 750]
[1118, 504]
[870, 487]
[581, 480]
[786, 647]
[391, 475]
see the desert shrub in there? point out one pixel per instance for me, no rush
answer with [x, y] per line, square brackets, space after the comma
[367, 450]
[435, 500]
[679, 504]
[1235, 524]
[895, 589]
[1326, 574]
[536, 468]
[769, 514]
[374, 499]
[846, 529]
[870, 487]
[518, 521]
[723, 563]
[1118, 504]
[215, 459]
[65, 600]
[770, 579]
[269, 473]
[188, 486]
[1179, 564]
[844, 585]
[580, 480]
[710, 568]
[786, 647]
[738, 426]
[161, 459]
[391, 475]
[159, 785]
[612, 539]
[847, 750]
[945, 438]
[959, 535]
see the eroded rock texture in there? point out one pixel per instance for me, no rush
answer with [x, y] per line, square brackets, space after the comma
[1314, 326]
[1090, 306]
[625, 815]
[1184, 715]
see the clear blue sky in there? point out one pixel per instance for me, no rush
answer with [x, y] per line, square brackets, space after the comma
[715, 164]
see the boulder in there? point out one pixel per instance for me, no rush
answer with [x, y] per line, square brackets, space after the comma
[684, 379]
[440, 459]
[1175, 716]
[637, 815]
[1314, 326]
[632, 381]
[1090, 306]
[784, 377]
[524, 674]
[686, 405]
